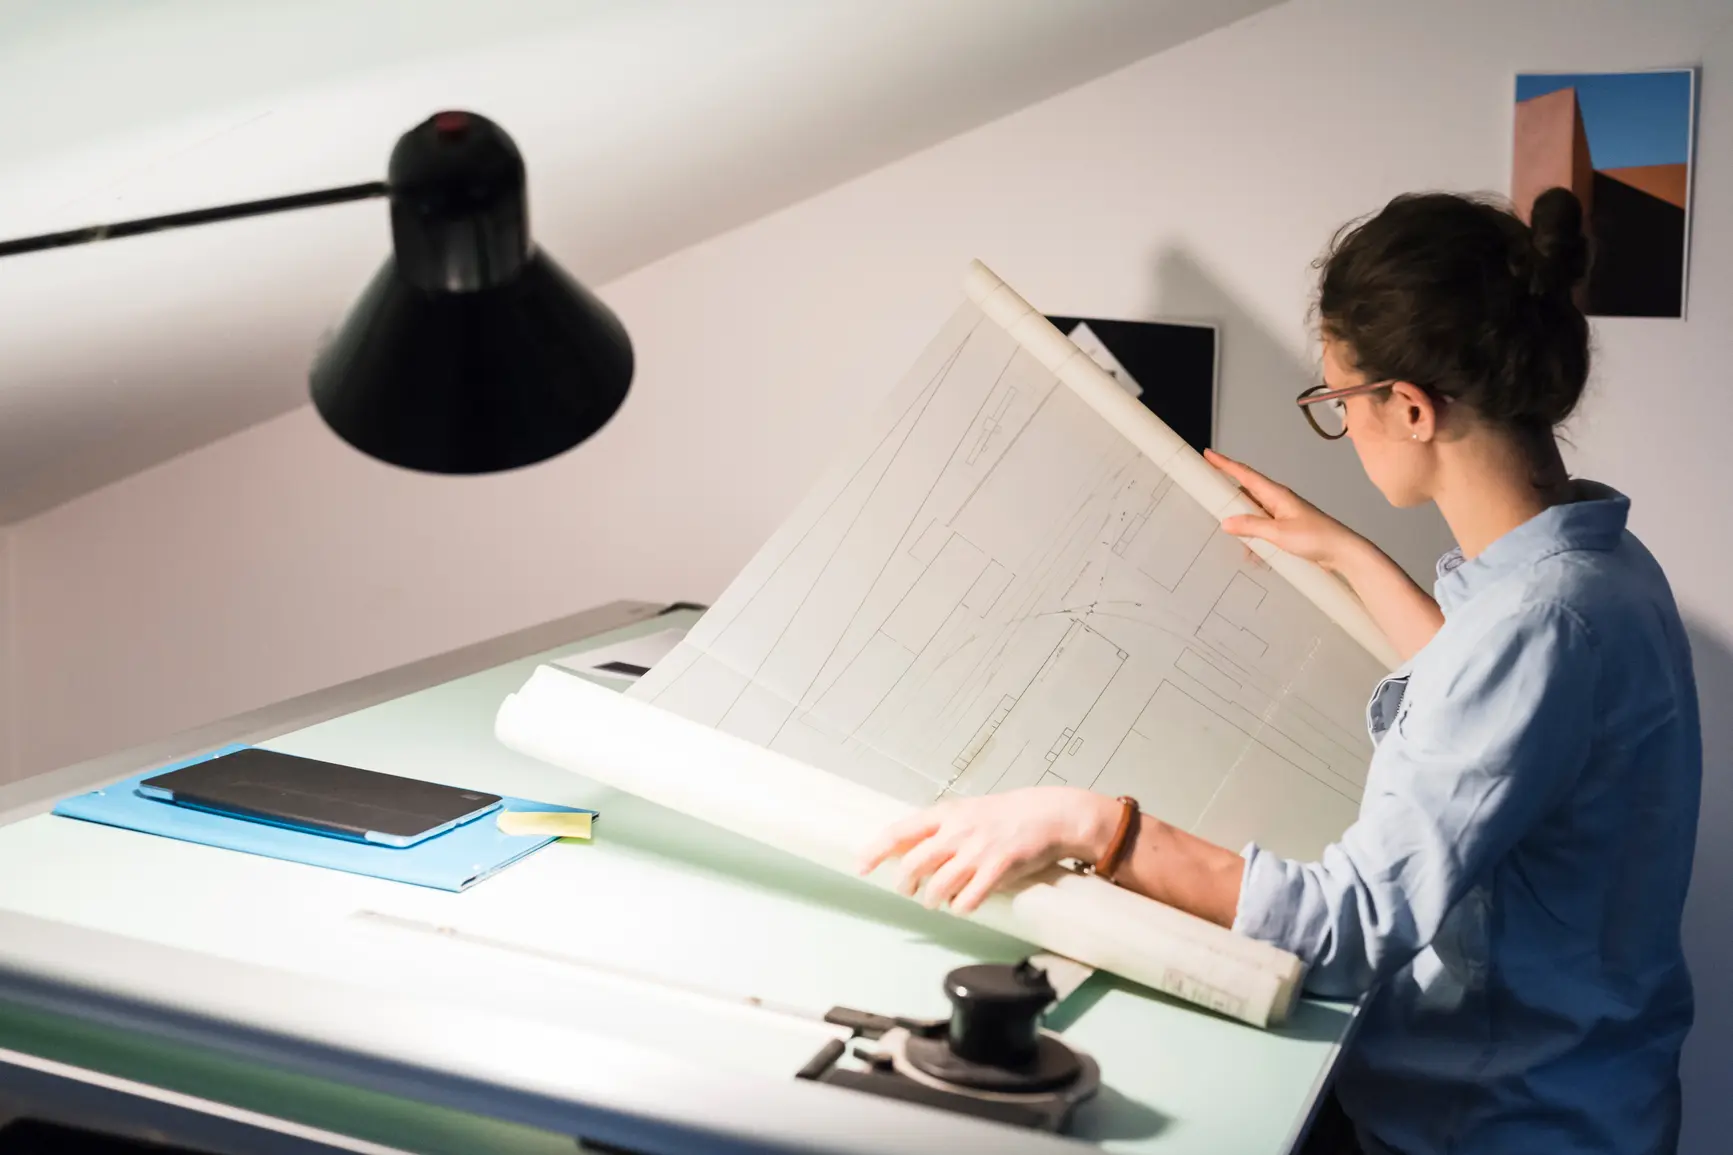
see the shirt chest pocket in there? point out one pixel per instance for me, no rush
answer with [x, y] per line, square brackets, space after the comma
[1385, 705]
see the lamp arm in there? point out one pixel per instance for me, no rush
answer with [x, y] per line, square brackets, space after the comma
[354, 192]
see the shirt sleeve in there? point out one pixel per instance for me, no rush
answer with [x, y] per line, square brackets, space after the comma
[1475, 759]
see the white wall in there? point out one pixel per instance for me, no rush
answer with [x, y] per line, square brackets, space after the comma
[8, 699]
[648, 125]
[1198, 183]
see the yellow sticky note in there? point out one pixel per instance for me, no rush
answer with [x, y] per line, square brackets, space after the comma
[546, 823]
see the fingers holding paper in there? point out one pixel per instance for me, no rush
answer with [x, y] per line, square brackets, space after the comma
[1293, 524]
[964, 849]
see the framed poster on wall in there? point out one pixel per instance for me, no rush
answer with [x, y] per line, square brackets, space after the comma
[1622, 142]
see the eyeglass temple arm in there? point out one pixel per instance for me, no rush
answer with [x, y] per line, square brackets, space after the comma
[93, 233]
[1311, 398]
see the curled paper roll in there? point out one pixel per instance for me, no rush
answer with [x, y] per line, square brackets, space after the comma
[688, 767]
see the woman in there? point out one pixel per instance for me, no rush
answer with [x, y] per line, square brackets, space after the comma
[1512, 889]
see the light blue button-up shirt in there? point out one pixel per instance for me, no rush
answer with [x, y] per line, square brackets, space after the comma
[1514, 884]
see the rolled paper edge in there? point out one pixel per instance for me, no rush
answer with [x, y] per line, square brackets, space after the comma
[614, 741]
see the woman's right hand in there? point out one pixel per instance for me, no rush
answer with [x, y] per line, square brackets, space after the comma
[1294, 525]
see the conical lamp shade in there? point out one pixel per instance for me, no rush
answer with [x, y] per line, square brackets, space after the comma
[470, 352]
[473, 382]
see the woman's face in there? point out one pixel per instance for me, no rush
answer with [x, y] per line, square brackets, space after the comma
[1391, 431]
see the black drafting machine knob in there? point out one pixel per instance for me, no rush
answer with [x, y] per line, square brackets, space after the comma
[996, 1012]
[994, 1041]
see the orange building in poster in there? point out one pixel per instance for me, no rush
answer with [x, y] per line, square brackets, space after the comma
[1636, 216]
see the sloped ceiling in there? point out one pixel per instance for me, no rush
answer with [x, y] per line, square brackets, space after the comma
[647, 126]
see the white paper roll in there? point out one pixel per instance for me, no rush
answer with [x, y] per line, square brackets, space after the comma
[685, 766]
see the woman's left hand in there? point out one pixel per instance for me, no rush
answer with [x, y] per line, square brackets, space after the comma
[965, 848]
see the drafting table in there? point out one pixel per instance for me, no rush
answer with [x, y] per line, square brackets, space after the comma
[241, 1003]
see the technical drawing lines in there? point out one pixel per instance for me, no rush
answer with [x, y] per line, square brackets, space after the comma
[910, 520]
[1061, 696]
[1239, 600]
[974, 744]
[1165, 539]
[917, 406]
[991, 425]
[1251, 737]
[1274, 718]
[1137, 520]
[985, 593]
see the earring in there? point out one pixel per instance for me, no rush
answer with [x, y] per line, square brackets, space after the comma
[1414, 436]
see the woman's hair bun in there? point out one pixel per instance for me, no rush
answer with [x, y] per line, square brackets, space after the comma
[1457, 295]
[1560, 257]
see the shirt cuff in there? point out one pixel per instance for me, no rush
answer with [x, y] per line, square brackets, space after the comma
[1270, 894]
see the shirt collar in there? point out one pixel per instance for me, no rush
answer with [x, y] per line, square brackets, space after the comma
[1596, 520]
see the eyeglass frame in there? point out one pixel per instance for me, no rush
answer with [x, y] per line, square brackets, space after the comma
[1316, 393]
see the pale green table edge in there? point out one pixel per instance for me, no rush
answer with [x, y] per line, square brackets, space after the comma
[402, 1123]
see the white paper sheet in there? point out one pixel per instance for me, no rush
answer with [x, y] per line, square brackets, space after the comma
[1015, 576]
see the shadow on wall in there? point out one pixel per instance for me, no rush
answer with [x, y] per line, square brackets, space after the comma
[1708, 914]
[1258, 422]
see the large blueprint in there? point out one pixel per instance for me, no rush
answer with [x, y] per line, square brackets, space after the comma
[1015, 576]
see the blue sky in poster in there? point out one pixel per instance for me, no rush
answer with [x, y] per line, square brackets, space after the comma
[1631, 118]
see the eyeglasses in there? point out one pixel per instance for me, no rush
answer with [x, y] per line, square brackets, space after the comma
[1325, 409]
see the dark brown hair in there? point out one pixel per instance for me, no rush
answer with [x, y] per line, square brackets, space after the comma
[1458, 296]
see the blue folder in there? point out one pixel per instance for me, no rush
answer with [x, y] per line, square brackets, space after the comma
[454, 861]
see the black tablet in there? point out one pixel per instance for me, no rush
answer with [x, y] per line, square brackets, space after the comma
[319, 797]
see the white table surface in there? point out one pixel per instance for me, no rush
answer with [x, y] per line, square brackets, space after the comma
[654, 895]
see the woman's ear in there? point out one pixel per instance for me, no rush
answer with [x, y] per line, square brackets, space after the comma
[1411, 414]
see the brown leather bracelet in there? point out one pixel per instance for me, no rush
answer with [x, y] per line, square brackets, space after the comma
[1122, 838]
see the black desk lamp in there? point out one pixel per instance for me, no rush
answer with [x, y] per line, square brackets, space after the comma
[470, 351]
